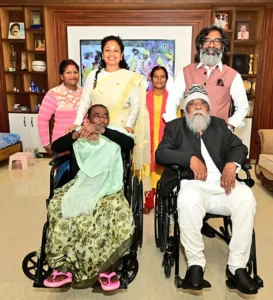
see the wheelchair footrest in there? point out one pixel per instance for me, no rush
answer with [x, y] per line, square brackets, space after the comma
[39, 284]
[183, 284]
[259, 281]
[231, 284]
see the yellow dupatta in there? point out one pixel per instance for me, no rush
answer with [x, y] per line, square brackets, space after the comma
[114, 91]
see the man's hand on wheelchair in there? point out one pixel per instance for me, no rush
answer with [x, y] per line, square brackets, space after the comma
[199, 169]
[228, 177]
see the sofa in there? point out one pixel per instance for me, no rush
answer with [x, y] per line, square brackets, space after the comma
[264, 159]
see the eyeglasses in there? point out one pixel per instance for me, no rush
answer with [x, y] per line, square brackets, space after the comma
[216, 42]
[194, 103]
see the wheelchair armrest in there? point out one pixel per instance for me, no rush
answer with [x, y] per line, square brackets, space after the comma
[176, 167]
[248, 180]
[57, 161]
[246, 167]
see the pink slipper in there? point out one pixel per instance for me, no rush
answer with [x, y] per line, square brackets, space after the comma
[109, 286]
[56, 284]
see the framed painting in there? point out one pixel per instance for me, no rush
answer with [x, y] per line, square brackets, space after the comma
[141, 56]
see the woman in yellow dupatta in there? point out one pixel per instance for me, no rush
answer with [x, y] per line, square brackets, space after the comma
[124, 93]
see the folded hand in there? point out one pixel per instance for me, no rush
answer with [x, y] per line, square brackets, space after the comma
[90, 130]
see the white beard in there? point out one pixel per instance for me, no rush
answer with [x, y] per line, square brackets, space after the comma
[197, 123]
[209, 59]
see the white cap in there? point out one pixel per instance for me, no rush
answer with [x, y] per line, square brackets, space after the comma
[196, 91]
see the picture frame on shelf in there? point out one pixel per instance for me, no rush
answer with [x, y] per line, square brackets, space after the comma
[16, 30]
[221, 20]
[39, 45]
[243, 30]
[36, 19]
[240, 63]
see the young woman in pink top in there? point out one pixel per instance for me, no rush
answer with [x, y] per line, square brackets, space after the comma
[62, 102]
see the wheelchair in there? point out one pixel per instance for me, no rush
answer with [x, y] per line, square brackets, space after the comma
[34, 264]
[167, 232]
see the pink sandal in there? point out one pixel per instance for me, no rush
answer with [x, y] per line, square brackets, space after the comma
[56, 284]
[109, 286]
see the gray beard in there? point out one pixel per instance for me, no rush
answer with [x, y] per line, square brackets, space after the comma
[210, 60]
[197, 123]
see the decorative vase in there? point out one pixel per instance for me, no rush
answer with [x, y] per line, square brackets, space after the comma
[38, 66]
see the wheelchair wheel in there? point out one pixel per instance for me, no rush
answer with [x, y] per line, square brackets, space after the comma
[132, 268]
[164, 224]
[156, 215]
[128, 187]
[134, 196]
[30, 264]
[137, 208]
[140, 212]
[249, 266]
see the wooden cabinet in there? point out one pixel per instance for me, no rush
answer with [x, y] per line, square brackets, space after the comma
[29, 47]
[26, 126]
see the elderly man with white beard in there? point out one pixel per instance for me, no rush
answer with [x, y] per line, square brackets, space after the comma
[219, 80]
[209, 155]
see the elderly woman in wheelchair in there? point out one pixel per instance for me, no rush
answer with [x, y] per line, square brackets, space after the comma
[90, 222]
[207, 156]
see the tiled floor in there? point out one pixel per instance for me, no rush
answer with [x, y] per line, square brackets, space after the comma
[23, 213]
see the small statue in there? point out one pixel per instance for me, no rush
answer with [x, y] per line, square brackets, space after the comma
[251, 64]
[13, 57]
[23, 61]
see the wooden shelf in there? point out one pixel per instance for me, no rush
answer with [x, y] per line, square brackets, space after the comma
[35, 30]
[22, 112]
[25, 93]
[246, 42]
[248, 75]
[14, 41]
[37, 51]
[25, 72]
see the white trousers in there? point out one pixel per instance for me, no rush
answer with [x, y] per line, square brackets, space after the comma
[193, 203]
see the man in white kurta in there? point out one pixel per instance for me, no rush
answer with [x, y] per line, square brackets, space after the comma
[209, 155]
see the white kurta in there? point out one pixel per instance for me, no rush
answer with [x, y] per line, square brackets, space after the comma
[196, 198]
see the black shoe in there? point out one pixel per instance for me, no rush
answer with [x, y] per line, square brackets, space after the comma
[244, 283]
[194, 278]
